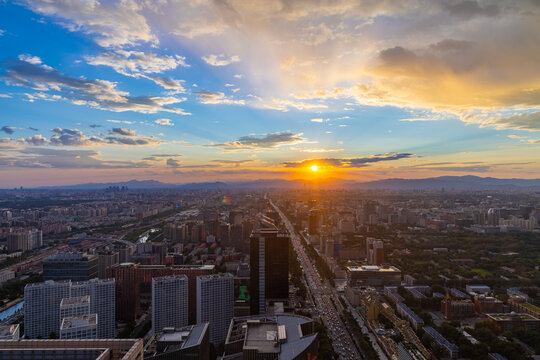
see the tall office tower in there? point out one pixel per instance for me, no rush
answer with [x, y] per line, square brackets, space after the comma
[70, 266]
[215, 304]
[269, 263]
[74, 306]
[315, 221]
[42, 308]
[106, 259]
[236, 239]
[102, 302]
[374, 251]
[169, 302]
[80, 327]
[224, 234]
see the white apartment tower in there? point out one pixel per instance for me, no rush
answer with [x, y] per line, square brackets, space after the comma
[102, 294]
[169, 302]
[215, 304]
[42, 306]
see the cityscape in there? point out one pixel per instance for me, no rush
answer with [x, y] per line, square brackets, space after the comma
[264, 180]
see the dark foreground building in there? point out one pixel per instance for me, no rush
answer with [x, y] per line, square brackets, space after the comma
[269, 260]
[284, 336]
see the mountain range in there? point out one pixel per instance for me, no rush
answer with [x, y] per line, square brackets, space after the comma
[468, 182]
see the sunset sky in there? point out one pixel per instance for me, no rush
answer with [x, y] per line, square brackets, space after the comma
[188, 91]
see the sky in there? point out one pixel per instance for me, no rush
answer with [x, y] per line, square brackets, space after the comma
[228, 90]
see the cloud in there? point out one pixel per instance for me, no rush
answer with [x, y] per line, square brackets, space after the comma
[94, 126]
[136, 63]
[101, 94]
[285, 105]
[112, 24]
[319, 150]
[76, 138]
[8, 129]
[173, 163]
[2, 32]
[348, 162]
[159, 157]
[220, 60]
[526, 121]
[30, 59]
[266, 141]
[63, 159]
[209, 97]
[122, 131]
[164, 121]
[168, 83]
[235, 163]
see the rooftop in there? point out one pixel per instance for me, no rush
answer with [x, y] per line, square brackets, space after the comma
[372, 268]
[510, 316]
[79, 321]
[75, 301]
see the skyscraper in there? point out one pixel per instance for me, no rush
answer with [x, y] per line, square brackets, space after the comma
[374, 251]
[169, 302]
[269, 257]
[215, 304]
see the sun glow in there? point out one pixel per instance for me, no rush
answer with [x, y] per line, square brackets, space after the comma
[314, 168]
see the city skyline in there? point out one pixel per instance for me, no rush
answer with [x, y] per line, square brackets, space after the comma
[205, 91]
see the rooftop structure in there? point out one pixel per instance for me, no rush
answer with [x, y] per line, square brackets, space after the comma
[89, 349]
[190, 341]
[79, 327]
[9, 332]
[283, 336]
[373, 275]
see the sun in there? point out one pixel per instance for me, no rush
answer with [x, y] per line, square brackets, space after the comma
[314, 168]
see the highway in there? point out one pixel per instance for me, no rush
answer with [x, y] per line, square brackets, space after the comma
[325, 298]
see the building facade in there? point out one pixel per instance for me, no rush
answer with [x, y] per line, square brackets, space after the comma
[70, 266]
[215, 304]
[169, 302]
[269, 268]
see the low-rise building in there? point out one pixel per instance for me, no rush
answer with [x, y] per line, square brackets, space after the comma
[79, 327]
[373, 275]
[189, 342]
[457, 309]
[514, 321]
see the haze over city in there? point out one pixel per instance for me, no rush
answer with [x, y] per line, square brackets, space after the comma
[196, 91]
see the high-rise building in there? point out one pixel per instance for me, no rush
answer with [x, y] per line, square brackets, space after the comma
[236, 237]
[70, 266]
[224, 234]
[131, 277]
[102, 302]
[215, 304]
[374, 251]
[42, 308]
[24, 240]
[315, 221]
[269, 268]
[169, 302]
[106, 259]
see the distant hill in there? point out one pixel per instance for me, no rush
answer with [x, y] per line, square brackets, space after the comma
[468, 182]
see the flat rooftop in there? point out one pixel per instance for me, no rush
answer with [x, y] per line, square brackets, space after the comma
[262, 336]
[511, 316]
[75, 301]
[79, 321]
[373, 268]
